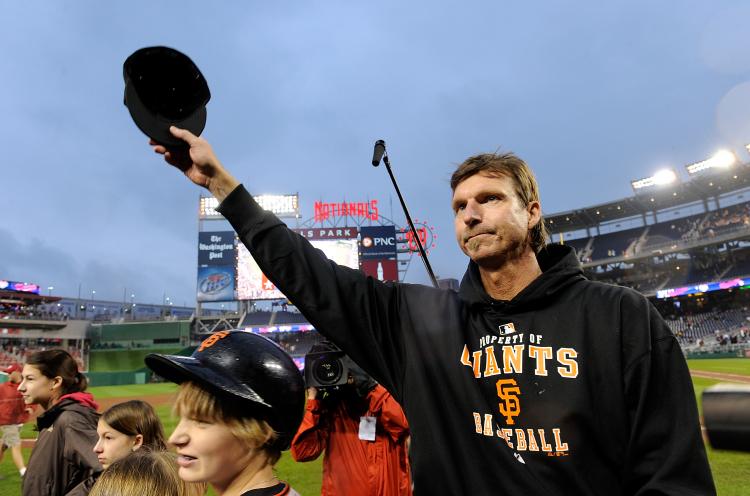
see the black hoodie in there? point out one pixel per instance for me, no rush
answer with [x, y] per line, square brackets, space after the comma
[571, 387]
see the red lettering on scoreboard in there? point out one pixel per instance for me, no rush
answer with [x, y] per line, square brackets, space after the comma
[367, 210]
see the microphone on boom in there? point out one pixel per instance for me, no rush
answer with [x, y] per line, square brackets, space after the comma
[377, 153]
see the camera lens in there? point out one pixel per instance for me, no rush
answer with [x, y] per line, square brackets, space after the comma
[327, 371]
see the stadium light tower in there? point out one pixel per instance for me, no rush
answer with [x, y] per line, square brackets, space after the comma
[662, 177]
[721, 160]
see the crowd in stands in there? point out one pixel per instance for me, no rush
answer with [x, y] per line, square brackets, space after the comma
[17, 350]
[267, 317]
[725, 219]
[297, 344]
[637, 240]
[30, 313]
[721, 326]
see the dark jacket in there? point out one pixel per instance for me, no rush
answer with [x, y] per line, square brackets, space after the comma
[63, 455]
[572, 387]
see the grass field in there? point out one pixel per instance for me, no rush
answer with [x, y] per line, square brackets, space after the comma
[723, 365]
[731, 470]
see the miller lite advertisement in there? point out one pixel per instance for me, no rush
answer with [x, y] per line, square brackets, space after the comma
[216, 283]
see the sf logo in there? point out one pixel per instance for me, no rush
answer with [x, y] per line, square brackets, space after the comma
[508, 391]
[212, 339]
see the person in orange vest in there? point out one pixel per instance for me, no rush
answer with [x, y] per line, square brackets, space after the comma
[364, 434]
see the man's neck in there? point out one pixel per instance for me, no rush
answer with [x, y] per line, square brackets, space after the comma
[507, 280]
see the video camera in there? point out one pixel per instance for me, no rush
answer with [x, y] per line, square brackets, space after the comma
[726, 413]
[327, 369]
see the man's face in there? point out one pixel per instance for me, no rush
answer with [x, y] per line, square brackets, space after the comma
[492, 226]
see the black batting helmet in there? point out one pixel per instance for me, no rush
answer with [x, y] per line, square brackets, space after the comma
[240, 365]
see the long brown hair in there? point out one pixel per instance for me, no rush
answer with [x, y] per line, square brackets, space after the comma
[137, 417]
[54, 363]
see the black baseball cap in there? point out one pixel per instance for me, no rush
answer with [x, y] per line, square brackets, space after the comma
[163, 88]
[246, 367]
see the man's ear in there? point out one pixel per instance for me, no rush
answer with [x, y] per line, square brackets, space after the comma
[534, 210]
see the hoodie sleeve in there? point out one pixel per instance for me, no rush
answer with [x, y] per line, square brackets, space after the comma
[666, 454]
[392, 417]
[358, 313]
[312, 436]
[80, 439]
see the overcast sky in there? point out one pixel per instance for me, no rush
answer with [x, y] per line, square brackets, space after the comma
[591, 94]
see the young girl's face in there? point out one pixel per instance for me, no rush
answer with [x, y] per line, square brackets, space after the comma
[208, 452]
[35, 387]
[113, 445]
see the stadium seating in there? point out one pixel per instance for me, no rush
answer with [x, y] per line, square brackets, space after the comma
[674, 230]
[265, 318]
[726, 219]
[710, 326]
[614, 244]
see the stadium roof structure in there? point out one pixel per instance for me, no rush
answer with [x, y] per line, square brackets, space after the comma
[22, 298]
[699, 188]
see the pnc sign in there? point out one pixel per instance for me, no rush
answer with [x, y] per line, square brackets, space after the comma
[377, 242]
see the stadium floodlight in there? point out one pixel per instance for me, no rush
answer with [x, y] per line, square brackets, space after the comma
[281, 205]
[723, 159]
[660, 178]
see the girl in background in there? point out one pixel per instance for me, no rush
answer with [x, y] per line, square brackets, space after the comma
[122, 430]
[63, 455]
[125, 428]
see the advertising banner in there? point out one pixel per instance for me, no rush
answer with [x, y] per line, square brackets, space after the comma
[383, 269]
[216, 283]
[21, 287]
[377, 242]
[217, 248]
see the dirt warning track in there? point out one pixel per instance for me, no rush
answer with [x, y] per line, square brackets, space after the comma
[721, 376]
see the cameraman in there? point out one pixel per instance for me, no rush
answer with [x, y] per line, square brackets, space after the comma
[363, 432]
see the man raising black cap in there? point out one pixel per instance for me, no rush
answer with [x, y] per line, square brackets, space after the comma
[529, 380]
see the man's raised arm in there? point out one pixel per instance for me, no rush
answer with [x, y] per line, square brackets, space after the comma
[199, 163]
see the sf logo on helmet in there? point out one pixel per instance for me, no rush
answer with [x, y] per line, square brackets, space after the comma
[508, 391]
[213, 339]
